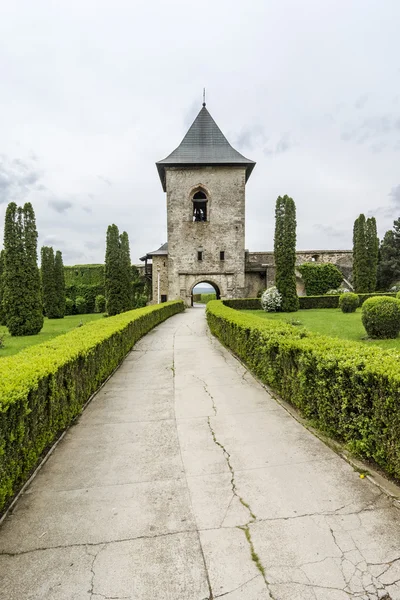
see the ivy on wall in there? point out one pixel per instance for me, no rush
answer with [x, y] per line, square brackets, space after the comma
[319, 278]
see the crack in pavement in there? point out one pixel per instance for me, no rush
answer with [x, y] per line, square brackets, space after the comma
[252, 517]
[214, 407]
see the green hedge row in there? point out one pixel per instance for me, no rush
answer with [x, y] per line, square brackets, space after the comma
[42, 389]
[328, 301]
[349, 391]
[332, 301]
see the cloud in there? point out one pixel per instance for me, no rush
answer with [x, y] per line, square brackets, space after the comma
[17, 179]
[283, 145]
[94, 245]
[60, 206]
[372, 128]
[361, 101]
[395, 195]
[250, 138]
[330, 231]
[105, 180]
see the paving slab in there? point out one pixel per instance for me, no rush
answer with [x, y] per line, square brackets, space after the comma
[184, 480]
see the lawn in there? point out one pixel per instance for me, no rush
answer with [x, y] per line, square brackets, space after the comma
[51, 328]
[331, 322]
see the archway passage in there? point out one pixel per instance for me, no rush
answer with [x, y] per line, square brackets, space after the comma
[203, 292]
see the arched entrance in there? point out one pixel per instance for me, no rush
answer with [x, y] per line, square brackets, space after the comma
[204, 288]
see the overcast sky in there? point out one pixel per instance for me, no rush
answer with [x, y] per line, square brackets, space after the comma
[93, 93]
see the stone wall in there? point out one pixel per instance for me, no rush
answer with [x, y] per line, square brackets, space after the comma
[258, 263]
[223, 230]
[160, 262]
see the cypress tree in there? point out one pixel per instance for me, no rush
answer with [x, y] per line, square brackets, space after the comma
[2, 313]
[285, 252]
[48, 282]
[126, 273]
[389, 257]
[361, 277]
[113, 272]
[59, 279]
[22, 294]
[372, 246]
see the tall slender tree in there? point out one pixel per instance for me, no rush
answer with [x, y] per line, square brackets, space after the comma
[22, 294]
[372, 246]
[389, 257]
[59, 279]
[285, 252]
[365, 254]
[2, 313]
[48, 282]
[126, 272]
[360, 258]
[113, 272]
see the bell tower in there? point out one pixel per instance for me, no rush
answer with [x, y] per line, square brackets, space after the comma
[205, 180]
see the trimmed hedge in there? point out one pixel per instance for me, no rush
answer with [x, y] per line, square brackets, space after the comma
[349, 302]
[244, 303]
[349, 391]
[381, 317]
[332, 301]
[42, 389]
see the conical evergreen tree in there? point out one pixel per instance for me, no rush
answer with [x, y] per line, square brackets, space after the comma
[22, 295]
[365, 249]
[285, 252]
[48, 282]
[2, 313]
[126, 272]
[372, 246]
[59, 278]
[389, 257]
[113, 273]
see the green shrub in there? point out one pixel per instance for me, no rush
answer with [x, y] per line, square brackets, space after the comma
[69, 306]
[349, 302]
[319, 278]
[100, 304]
[244, 303]
[381, 317]
[205, 298]
[398, 295]
[80, 305]
[351, 392]
[42, 389]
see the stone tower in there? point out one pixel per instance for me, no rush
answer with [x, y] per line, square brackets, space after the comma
[205, 180]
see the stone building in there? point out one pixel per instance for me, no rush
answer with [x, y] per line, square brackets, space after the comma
[205, 182]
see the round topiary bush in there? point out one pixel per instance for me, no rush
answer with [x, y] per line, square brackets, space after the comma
[271, 300]
[381, 317]
[100, 304]
[80, 305]
[69, 306]
[348, 302]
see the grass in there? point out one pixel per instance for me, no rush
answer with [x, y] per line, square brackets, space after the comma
[331, 322]
[51, 328]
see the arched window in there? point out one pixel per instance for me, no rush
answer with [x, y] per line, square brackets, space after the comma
[199, 207]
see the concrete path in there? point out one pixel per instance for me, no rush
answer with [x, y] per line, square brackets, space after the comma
[184, 480]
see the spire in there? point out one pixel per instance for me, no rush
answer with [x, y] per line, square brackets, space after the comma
[204, 97]
[204, 145]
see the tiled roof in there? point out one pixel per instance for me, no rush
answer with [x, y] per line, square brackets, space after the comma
[162, 251]
[204, 144]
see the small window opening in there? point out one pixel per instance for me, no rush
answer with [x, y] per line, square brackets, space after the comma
[199, 255]
[222, 255]
[199, 207]
[163, 297]
[314, 258]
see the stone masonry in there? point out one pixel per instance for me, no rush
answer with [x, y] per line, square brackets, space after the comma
[223, 231]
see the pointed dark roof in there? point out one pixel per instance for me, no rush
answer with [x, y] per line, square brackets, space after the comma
[162, 251]
[204, 144]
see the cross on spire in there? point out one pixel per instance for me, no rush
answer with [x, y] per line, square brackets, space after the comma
[204, 97]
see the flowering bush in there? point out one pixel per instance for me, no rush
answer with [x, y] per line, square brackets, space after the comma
[271, 300]
[340, 290]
